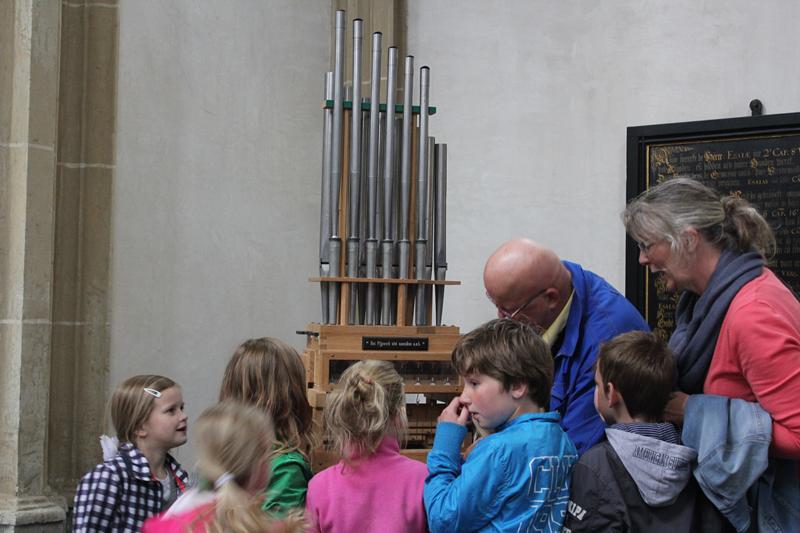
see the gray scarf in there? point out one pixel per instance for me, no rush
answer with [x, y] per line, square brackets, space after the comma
[698, 319]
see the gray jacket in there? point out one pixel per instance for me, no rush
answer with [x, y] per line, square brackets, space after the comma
[634, 482]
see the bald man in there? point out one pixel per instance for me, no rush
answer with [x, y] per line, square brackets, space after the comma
[575, 310]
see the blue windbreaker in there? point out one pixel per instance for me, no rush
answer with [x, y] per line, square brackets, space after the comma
[516, 479]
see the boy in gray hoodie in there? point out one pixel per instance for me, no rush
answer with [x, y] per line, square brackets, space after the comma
[640, 479]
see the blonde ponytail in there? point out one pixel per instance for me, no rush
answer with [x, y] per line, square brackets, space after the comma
[367, 404]
[234, 441]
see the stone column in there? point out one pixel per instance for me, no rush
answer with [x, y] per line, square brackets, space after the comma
[29, 80]
[85, 169]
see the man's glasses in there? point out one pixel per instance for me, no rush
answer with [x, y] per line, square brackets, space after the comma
[504, 313]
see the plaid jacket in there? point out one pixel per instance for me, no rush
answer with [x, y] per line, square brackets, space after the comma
[120, 494]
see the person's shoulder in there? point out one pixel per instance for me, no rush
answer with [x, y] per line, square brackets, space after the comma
[518, 438]
[608, 313]
[113, 468]
[595, 469]
[196, 518]
[332, 470]
[102, 484]
[291, 463]
[536, 426]
[549, 440]
[289, 457]
[582, 275]
[325, 476]
[172, 524]
[767, 290]
[763, 300]
[597, 457]
[596, 289]
[488, 448]
[412, 465]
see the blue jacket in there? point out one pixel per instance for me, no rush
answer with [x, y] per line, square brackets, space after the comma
[598, 314]
[515, 479]
[734, 470]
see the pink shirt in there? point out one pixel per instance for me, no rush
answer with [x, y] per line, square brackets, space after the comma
[179, 523]
[194, 520]
[380, 493]
[757, 357]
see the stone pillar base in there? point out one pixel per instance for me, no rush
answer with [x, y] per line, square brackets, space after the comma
[31, 513]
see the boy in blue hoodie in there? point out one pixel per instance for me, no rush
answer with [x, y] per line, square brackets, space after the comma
[640, 479]
[517, 478]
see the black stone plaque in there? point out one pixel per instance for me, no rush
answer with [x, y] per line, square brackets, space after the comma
[757, 158]
[395, 344]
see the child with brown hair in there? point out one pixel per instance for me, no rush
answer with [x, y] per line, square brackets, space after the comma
[269, 374]
[516, 478]
[138, 478]
[373, 487]
[640, 479]
[234, 444]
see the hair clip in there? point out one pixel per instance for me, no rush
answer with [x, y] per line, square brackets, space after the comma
[222, 479]
[152, 392]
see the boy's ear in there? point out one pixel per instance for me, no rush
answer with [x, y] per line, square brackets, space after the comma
[518, 390]
[613, 395]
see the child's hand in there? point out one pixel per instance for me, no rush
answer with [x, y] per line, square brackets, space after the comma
[455, 412]
[673, 412]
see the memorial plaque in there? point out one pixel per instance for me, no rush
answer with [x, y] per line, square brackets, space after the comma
[757, 158]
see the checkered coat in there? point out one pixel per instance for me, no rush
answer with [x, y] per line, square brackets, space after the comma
[118, 495]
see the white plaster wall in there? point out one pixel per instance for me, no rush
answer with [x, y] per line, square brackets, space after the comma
[534, 98]
[216, 191]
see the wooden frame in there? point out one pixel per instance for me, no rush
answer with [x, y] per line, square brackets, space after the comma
[330, 343]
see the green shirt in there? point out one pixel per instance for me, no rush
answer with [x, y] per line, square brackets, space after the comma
[288, 483]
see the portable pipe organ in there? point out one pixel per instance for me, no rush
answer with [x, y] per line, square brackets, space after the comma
[377, 289]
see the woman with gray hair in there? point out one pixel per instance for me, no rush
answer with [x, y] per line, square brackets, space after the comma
[737, 325]
[737, 331]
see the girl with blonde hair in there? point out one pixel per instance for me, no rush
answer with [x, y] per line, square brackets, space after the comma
[373, 487]
[234, 444]
[269, 374]
[138, 477]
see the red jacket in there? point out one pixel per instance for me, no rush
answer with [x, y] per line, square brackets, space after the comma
[757, 357]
